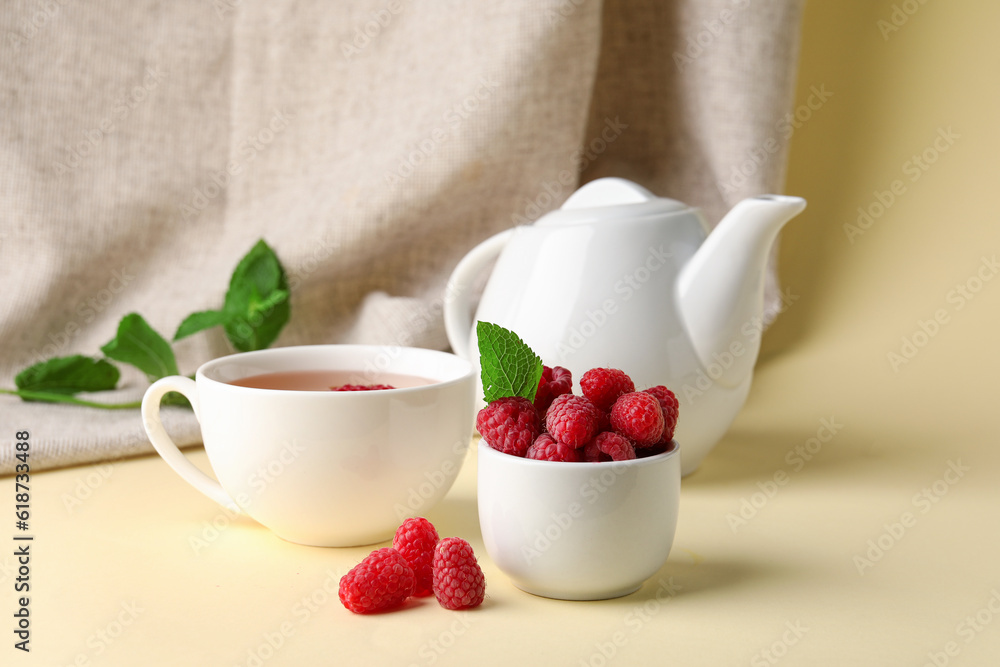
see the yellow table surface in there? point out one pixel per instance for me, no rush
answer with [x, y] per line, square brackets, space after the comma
[882, 548]
[132, 566]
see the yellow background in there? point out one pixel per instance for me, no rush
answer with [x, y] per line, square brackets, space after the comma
[121, 534]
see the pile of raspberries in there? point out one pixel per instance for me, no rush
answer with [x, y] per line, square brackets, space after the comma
[418, 564]
[610, 422]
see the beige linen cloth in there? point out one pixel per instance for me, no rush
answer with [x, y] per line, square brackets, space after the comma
[145, 146]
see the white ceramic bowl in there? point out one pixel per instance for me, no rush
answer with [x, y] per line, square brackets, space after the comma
[578, 531]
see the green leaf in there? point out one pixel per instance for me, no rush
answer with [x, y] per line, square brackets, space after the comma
[53, 397]
[137, 344]
[175, 398]
[257, 305]
[68, 375]
[200, 321]
[509, 366]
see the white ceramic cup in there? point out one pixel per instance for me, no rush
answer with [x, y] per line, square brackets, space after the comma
[325, 468]
[578, 531]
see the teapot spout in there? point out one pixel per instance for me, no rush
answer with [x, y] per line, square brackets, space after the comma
[720, 292]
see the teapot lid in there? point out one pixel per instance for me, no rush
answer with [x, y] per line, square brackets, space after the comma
[611, 198]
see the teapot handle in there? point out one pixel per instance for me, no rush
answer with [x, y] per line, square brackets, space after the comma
[457, 296]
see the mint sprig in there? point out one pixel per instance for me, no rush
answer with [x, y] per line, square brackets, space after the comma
[255, 310]
[256, 306]
[509, 366]
[57, 380]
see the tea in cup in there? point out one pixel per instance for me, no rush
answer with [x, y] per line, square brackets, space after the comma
[323, 467]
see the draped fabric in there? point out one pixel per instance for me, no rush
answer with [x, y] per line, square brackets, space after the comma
[146, 146]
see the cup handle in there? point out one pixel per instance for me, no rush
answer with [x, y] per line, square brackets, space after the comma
[166, 447]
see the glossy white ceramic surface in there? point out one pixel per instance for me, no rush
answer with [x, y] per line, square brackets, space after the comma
[578, 531]
[325, 468]
[620, 278]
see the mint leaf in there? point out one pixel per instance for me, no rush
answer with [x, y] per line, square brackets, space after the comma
[509, 366]
[68, 375]
[256, 306]
[200, 321]
[139, 345]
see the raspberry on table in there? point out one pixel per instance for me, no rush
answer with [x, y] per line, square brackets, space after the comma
[609, 446]
[603, 386]
[638, 416]
[554, 382]
[670, 407]
[415, 540]
[509, 424]
[572, 420]
[361, 387]
[547, 448]
[381, 581]
[458, 580]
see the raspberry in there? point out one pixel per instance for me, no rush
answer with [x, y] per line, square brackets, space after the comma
[554, 382]
[638, 416]
[509, 424]
[670, 407]
[572, 420]
[603, 386]
[609, 446]
[361, 387]
[415, 540]
[547, 448]
[458, 581]
[381, 581]
[653, 450]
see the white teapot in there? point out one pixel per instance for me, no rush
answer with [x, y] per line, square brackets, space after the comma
[620, 278]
